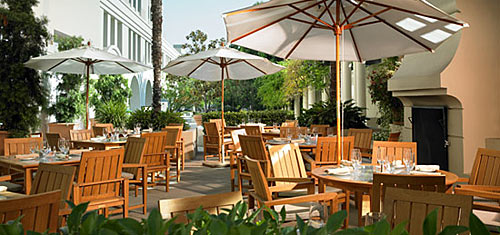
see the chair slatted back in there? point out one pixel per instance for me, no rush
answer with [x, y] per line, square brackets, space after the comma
[259, 180]
[53, 139]
[396, 149]
[14, 146]
[40, 212]
[80, 134]
[486, 168]
[381, 181]
[174, 128]
[362, 137]
[331, 131]
[134, 152]
[320, 129]
[174, 134]
[290, 123]
[218, 123]
[50, 177]
[212, 132]
[213, 204]
[413, 206]
[98, 128]
[236, 139]
[253, 147]
[98, 166]
[287, 162]
[253, 130]
[154, 153]
[394, 137]
[286, 131]
[326, 149]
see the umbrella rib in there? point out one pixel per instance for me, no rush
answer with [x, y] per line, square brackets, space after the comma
[416, 13]
[312, 16]
[174, 64]
[398, 30]
[264, 8]
[272, 23]
[318, 26]
[366, 23]
[234, 62]
[197, 67]
[253, 66]
[125, 67]
[352, 34]
[349, 25]
[329, 12]
[57, 64]
[307, 32]
[351, 13]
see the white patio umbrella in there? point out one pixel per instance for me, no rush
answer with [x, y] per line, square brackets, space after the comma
[312, 30]
[86, 60]
[220, 64]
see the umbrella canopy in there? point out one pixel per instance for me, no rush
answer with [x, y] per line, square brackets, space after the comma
[86, 60]
[311, 30]
[220, 64]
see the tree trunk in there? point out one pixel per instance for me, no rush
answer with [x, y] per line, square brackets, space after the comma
[156, 15]
[333, 81]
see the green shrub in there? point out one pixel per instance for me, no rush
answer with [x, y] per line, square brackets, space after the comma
[144, 117]
[325, 113]
[268, 117]
[234, 221]
[112, 112]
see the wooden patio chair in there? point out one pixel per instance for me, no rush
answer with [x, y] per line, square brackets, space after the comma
[286, 131]
[320, 129]
[263, 192]
[326, 151]
[484, 181]
[53, 139]
[50, 177]
[135, 170]
[15, 146]
[98, 129]
[253, 130]
[80, 134]
[40, 212]
[156, 157]
[290, 123]
[213, 142]
[180, 143]
[99, 181]
[174, 134]
[5, 178]
[394, 137]
[395, 149]
[413, 206]
[254, 148]
[213, 204]
[331, 131]
[234, 154]
[219, 124]
[362, 140]
[382, 181]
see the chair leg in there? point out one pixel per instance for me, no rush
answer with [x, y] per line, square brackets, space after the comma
[106, 212]
[359, 205]
[232, 179]
[136, 189]
[178, 169]
[167, 180]
[183, 155]
[346, 207]
[145, 192]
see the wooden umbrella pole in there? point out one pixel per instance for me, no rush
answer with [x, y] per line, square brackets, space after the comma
[87, 100]
[223, 66]
[338, 32]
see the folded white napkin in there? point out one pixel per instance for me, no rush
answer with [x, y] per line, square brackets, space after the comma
[424, 173]
[3, 188]
[346, 162]
[98, 138]
[26, 156]
[427, 168]
[339, 171]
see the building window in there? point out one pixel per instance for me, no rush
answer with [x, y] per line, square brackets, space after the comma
[134, 46]
[139, 55]
[120, 35]
[113, 35]
[130, 44]
[139, 5]
[105, 30]
[135, 4]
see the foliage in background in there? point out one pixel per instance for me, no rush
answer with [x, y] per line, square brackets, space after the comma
[300, 74]
[179, 93]
[390, 108]
[145, 119]
[268, 117]
[109, 88]
[325, 113]
[22, 96]
[70, 101]
[237, 220]
[112, 112]
[240, 95]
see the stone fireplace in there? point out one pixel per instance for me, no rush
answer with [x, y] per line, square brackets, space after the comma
[463, 75]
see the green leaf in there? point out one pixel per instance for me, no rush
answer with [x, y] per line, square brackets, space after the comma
[400, 228]
[217, 227]
[430, 223]
[130, 226]
[476, 226]
[352, 231]
[75, 218]
[453, 230]
[382, 227]
[335, 221]
[283, 213]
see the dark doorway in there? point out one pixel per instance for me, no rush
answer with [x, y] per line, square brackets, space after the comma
[431, 134]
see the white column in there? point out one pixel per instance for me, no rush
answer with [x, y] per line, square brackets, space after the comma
[305, 100]
[345, 73]
[311, 96]
[296, 106]
[360, 76]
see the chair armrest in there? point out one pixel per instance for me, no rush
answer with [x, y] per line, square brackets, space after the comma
[292, 180]
[463, 180]
[308, 158]
[495, 189]
[489, 192]
[134, 165]
[5, 178]
[305, 198]
[99, 182]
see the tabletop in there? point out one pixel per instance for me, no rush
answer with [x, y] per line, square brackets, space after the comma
[21, 163]
[6, 195]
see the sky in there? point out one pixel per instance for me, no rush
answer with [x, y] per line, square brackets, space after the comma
[180, 17]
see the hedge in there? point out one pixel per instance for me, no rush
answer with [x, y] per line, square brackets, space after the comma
[268, 117]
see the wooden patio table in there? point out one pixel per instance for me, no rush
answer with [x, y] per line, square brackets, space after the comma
[6, 195]
[362, 183]
[98, 144]
[28, 167]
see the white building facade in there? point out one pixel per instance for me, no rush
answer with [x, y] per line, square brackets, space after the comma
[122, 27]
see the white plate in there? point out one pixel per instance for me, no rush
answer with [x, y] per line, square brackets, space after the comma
[399, 166]
[3, 188]
[28, 159]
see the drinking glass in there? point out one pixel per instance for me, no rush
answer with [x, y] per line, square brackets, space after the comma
[34, 147]
[380, 158]
[408, 160]
[356, 159]
[63, 146]
[374, 217]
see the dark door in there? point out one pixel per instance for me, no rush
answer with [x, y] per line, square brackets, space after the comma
[431, 134]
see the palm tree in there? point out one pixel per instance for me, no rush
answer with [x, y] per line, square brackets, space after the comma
[156, 15]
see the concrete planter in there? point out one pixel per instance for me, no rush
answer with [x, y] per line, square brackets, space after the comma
[3, 135]
[189, 137]
[61, 128]
[198, 119]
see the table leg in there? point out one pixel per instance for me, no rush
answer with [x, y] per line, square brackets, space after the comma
[321, 186]
[28, 178]
[359, 204]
